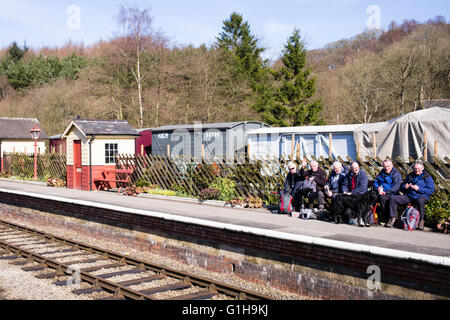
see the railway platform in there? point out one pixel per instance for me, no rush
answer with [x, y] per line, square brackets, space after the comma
[254, 220]
[313, 258]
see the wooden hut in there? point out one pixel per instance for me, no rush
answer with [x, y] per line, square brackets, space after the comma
[91, 149]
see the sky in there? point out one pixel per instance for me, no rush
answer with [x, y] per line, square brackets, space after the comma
[48, 23]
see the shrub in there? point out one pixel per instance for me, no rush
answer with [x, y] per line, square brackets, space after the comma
[227, 188]
[142, 183]
[437, 209]
[51, 182]
[180, 190]
[5, 174]
[202, 175]
[162, 192]
[209, 194]
[22, 165]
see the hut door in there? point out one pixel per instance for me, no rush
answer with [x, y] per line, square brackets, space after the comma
[77, 163]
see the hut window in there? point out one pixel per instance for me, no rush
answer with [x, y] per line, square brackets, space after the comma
[110, 152]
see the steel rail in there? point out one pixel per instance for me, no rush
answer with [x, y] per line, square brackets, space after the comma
[63, 268]
[210, 284]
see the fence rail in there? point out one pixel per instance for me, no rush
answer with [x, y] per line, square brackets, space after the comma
[48, 165]
[253, 177]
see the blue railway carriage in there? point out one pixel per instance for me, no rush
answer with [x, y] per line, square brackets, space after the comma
[287, 142]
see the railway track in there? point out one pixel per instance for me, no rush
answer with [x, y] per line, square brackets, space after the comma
[92, 270]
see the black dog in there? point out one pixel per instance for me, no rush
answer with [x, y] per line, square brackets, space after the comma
[359, 205]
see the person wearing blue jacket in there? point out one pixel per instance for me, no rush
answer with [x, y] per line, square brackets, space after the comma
[417, 189]
[356, 180]
[387, 184]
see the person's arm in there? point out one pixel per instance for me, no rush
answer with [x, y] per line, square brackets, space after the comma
[345, 183]
[403, 186]
[428, 188]
[286, 184]
[321, 178]
[362, 183]
[376, 182]
[303, 173]
[396, 182]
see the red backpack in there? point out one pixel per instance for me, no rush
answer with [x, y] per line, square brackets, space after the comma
[286, 203]
[410, 218]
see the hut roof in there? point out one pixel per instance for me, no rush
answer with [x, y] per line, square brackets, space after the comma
[102, 127]
[19, 128]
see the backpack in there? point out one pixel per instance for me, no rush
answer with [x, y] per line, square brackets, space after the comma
[306, 214]
[308, 186]
[371, 215]
[410, 218]
[286, 203]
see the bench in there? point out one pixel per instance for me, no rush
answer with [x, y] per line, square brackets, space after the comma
[105, 182]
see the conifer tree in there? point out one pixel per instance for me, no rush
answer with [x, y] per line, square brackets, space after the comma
[237, 38]
[289, 100]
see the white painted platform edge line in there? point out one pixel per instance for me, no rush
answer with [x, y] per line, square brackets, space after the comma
[395, 253]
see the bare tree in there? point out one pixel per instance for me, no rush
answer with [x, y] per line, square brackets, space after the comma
[360, 79]
[137, 28]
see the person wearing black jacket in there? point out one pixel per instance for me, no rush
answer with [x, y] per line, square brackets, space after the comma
[292, 185]
[317, 175]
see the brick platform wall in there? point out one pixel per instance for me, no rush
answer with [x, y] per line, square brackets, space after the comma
[312, 270]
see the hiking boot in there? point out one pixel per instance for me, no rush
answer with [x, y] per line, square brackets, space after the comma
[421, 224]
[390, 223]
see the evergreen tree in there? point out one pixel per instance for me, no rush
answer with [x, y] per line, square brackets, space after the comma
[15, 52]
[237, 39]
[35, 71]
[14, 68]
[288, 100]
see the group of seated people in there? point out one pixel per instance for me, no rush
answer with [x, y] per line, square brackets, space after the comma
[416, 189]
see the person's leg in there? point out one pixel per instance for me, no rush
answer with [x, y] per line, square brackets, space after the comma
[420, 203]
[311, 198]
[321, 199]
[393, 205]
[384, 206]
[301, 198]
[297, 201]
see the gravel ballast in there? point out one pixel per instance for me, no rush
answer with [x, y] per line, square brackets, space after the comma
[18, 284]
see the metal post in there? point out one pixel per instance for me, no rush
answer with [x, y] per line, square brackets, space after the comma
[35, 159]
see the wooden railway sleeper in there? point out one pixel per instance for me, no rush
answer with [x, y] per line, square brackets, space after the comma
[39, 267]
[59, 272]
[201, 295]
[111, 287]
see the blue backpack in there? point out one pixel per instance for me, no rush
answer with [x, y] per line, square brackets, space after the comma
[410, 218]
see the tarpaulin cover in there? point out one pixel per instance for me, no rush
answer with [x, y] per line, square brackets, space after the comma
[404, 135]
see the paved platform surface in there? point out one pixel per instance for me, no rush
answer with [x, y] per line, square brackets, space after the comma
[424, 242]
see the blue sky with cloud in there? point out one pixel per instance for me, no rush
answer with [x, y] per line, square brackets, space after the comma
[48, 23]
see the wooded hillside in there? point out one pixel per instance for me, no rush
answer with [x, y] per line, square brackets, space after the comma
[139, 77]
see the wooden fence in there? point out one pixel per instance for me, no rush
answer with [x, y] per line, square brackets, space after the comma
[253, 177]
[256, 177]
[48, 165]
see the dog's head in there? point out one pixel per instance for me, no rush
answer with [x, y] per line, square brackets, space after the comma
[371, 196]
